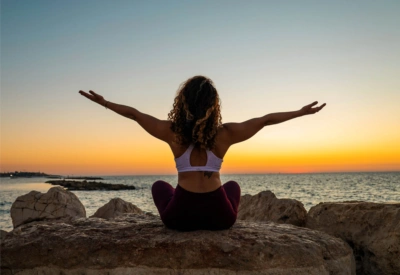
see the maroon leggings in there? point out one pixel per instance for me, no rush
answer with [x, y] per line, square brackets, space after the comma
[183, 210]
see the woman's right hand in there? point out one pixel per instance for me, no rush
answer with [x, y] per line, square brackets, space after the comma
[309, 110]
[94, 97]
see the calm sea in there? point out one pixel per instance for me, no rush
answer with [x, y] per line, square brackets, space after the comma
[310, 189]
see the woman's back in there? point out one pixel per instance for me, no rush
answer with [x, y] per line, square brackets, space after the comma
[199, 142]
[206, 179]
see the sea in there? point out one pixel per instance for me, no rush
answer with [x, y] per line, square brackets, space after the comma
[310, 189]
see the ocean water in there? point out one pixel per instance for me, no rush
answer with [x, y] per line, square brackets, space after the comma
[310, 189]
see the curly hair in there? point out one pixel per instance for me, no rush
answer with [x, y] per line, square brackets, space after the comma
[196, 113]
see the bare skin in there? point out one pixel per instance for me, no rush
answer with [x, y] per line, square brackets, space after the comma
[227, 135]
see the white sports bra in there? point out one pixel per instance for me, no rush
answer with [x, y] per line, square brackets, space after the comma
[183, 162]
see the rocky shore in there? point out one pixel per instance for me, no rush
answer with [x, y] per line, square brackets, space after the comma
[84, 185]
[52, 235]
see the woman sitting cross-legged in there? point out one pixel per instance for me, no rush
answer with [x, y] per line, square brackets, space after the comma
[199, 142]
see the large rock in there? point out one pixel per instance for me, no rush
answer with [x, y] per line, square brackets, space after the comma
[55, 204]
[116, 207]
[3, 235]
[141, 244]
[265, 206]
[371, 229]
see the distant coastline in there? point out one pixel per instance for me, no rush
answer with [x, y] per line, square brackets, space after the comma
[18, 174]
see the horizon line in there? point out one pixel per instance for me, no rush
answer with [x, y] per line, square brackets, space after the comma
[222, 174]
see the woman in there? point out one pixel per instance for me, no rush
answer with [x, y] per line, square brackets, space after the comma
[199, 142]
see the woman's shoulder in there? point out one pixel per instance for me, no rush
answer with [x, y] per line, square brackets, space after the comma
[222, 133]
[221, 141]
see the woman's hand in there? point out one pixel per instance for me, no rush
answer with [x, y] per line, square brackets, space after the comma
[309, 110]
[94, 97]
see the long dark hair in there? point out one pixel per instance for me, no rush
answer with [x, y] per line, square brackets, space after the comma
[196, 113]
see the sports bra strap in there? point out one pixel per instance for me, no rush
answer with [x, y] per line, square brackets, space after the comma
[183, 162]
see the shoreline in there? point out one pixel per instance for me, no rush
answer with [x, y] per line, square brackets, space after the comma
[310, 189]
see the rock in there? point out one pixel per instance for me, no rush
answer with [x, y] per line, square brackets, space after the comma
[84, 178]
[55, 204]
[371, 229]
[266, 207]
[3, 235]
[141, 244]
[84, 185]
[116, 207]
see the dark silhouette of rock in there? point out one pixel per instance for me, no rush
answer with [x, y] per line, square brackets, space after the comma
[73, 185]
[371, 229]
[55, 204]
[141, 244]
[3, 235]
[84, 178]
[265, 206]
[116, 207]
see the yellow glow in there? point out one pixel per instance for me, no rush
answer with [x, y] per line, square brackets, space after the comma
[302, 160]
[154, 157]
[126, 149]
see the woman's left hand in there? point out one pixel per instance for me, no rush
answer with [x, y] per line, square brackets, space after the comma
[94, 97]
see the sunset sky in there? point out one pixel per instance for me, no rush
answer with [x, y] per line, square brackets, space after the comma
[263, 56]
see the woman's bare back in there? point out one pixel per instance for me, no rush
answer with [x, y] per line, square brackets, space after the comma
[200, 181]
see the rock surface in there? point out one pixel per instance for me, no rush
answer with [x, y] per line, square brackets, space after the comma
[116, 207]
[371, 229]
[55, 204]
[3, 235]
[265, 206]
[141, 244]
[73, 185]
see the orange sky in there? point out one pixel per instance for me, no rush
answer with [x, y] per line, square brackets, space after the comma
[101, 155]
[263, 57]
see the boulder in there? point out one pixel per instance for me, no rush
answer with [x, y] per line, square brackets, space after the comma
[57, 203]
[141, 244]
[266, 207]
[3, 235]
[371, 229]
[116, 207]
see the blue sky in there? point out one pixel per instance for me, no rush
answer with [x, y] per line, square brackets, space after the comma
[264, 56]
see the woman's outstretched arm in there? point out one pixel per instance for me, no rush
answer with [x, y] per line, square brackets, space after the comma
[238, 132]
[155, 127]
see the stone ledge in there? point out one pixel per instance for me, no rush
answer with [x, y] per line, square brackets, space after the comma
[141, 244]
[265, 206]
[371, 229]
[165, 271]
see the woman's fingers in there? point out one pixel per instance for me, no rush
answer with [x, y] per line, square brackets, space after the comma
[84, 94]
[93, 93]
[93, 96]
[317, 109]
[89, 96]
[310, 110]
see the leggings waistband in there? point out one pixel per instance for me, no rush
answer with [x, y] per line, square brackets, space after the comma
[180, 189]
